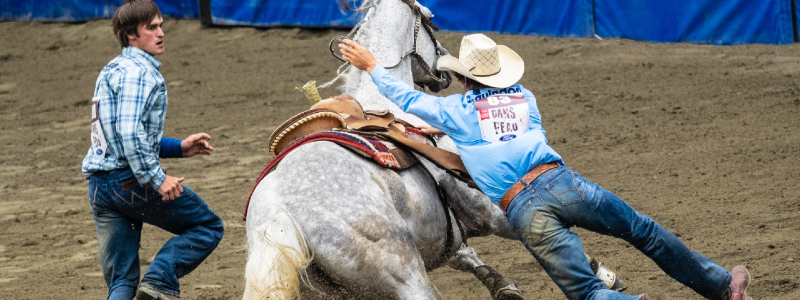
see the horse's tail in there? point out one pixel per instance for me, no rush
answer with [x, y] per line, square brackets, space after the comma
[277, 257]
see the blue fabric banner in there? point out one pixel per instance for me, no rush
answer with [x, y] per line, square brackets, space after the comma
[700, 21]
[537, 17]
[307, 13]
[79, 10]
[564, 18]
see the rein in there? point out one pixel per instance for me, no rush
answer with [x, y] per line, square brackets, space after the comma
[420, 21]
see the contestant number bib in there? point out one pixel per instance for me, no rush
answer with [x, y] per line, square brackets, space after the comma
[502, 117]
[98, 137]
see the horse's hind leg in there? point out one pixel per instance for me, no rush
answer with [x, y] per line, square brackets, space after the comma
[500, 287]
[376, 272]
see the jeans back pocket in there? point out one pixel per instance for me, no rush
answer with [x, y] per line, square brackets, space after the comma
[131, 193]
[565, 189]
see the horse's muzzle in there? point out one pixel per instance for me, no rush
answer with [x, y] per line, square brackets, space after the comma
[435, 87]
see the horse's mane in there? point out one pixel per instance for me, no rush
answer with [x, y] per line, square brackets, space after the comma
[345, 4]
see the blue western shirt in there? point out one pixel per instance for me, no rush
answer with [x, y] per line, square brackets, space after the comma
[132, 104]
[495, 167]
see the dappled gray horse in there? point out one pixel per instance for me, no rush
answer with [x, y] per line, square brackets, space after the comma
[327, 222]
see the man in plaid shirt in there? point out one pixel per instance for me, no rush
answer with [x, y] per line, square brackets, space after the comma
[127, 186]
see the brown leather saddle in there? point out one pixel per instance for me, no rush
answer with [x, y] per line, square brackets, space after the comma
[344, 113]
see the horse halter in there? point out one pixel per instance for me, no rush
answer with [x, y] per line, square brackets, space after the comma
[429, 27]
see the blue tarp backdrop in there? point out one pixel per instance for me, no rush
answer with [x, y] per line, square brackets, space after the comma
[534, 17]
[312, 13]
[701, 21]
[553, 18]
[79, 10]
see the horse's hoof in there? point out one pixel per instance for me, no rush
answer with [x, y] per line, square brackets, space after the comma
[509, 293]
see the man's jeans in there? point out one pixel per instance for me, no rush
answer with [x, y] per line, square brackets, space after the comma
[118, 216]
[543, 212]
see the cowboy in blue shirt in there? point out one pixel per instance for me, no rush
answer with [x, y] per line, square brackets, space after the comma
[127, 186]
[498, 131]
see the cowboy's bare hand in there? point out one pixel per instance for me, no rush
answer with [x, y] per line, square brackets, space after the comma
[428, 129]
[358, 56]
[196, 144]
[171, 189]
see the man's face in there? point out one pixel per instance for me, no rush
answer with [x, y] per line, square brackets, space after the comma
[151, 37]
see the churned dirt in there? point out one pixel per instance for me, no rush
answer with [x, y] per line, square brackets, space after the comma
[703, 139]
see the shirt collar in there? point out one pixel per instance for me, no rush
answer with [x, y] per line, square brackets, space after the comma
[136, 52]
[473, 95]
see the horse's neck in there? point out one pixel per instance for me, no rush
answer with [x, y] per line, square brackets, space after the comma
[388, 33]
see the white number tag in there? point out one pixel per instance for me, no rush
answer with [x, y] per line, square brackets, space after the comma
[99, 145]
[502, 117]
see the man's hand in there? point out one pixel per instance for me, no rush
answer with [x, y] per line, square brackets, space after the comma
[358, 56]
[428, 129]
[196, 144]
[171, 189]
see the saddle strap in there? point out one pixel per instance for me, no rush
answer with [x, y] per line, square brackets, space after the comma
[449, 243]
[446, 160]
[374, 121]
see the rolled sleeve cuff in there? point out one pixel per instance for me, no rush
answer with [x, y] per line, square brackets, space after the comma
[158, 179]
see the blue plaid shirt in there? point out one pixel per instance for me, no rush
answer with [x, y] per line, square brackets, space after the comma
[132, 106]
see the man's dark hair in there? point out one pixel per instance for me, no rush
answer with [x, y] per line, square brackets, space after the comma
[130, 15]
[471, 84]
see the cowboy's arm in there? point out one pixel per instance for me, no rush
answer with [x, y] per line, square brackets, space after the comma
[426, 107]
[170, 148]
[137, 91]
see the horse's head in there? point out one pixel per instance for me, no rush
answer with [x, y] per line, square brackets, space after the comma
[424, 79]
[399, 34]
[424, 75]
[418, 46]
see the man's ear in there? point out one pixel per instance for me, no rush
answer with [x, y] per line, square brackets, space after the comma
[132, 36]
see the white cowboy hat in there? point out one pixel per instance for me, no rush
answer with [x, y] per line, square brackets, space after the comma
[483, 60]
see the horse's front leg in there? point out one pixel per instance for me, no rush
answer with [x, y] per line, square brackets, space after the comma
[500, 287]
[471, 206]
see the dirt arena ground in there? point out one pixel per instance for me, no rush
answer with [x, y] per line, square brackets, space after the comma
[703, 139]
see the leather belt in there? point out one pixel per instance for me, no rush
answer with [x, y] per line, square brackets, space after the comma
[528, 178]
[130, 184]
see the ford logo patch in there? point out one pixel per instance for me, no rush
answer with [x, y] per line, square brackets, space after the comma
[99, 151]
[507, 137]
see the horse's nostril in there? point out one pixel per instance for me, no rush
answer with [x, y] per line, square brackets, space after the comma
[438, 86]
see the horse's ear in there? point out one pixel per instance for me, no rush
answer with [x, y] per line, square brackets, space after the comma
[345, 4]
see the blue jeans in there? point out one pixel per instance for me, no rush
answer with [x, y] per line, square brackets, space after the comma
[118, 216]
[543, 212]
